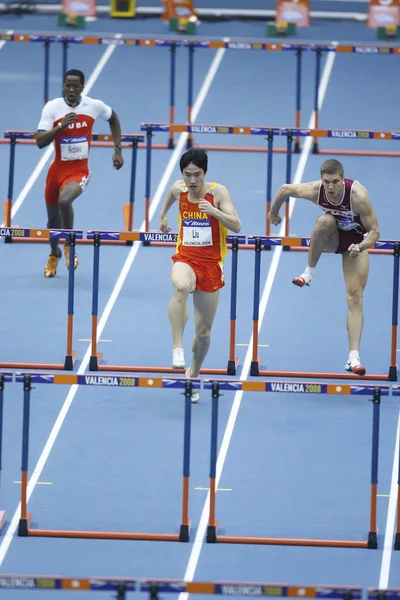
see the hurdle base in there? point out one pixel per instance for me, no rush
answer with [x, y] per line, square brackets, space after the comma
[3, 518]
[315, 148]
[103, 535]
[232, 366]
[255, 367]
[171, 144]
[170, 370]
[70, 361]
[23, 526]
[184, 533]
[297, 148]
[372, 540]
[94, 361]
[397, 542]
[212, 531]
[393, 373]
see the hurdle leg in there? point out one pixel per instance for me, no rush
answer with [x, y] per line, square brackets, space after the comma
[95, 357]
[397, 537]
[318, 54]
[212, 528]
[11, 173]
[24, 522]
[171, 140]
[299, 57]
[269, 181]
[288, 180]
[395, 313]
[373, 527]
[128, 208]
[255, 362]
[190, 93]
[149, 135]
[3, 514]
[185, 526]
[71, 355]
[233, 360]
[47, 71]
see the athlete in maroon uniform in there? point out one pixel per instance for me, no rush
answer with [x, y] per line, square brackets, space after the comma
[347, 227]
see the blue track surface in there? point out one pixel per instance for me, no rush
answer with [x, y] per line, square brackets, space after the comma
[296, 465]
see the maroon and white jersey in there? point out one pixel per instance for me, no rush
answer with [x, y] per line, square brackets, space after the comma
[346, 220]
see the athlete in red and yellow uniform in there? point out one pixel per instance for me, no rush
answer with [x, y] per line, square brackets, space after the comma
[206, 213]
[201, 241]
[68, 123]
[348, 227]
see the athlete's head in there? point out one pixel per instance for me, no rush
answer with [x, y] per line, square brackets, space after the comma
[332, 175]
[193, 165]
[74, 81]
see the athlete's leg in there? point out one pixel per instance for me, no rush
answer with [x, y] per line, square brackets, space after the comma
[68, 193]
[355, 271]
[205, 306]
[325, 236]
[184, 280]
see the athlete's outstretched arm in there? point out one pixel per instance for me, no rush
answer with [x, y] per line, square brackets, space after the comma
[308, 191]
[223, 211]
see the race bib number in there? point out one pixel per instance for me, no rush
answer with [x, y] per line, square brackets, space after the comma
[346, 223]
[197, 232]
[74, 148]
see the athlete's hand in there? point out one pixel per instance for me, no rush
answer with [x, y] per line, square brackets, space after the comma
[274, 217]
[68, 120]
[164, 225]
[206, 207]
[354, 250]
[118, 160]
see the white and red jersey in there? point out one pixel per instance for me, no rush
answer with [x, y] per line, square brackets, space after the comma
[346, 218]
[73, 143]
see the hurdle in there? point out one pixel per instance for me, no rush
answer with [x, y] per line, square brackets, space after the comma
[159, 237]
[396, 392]
[47, 234]
[153, 587]
[98, 140]
[5, 377]
[258, 242]
[131, 383]
[297, 388]
[269, 133]
[172, 44]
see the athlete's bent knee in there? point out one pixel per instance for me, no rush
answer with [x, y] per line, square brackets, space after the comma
[325, 224]
[182, 290]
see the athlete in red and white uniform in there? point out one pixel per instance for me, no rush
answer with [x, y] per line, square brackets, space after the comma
[206, 212]
[68, 123]
[348, 227]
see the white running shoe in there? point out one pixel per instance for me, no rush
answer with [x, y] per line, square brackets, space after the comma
[195, 392]
[354, 366]
[178, 358]
[303, 279]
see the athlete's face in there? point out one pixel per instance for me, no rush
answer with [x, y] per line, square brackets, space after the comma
[333, 185]
[73, 88]
[193, 177]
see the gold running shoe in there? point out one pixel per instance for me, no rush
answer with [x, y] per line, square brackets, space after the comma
[66, 254]
[50, 269]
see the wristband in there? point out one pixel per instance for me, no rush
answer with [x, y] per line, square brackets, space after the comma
[360, 248]
[116, 147]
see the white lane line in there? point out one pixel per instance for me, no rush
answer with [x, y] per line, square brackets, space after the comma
[202, 528]
[9, 535]
[391, 518]
[49, 151]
